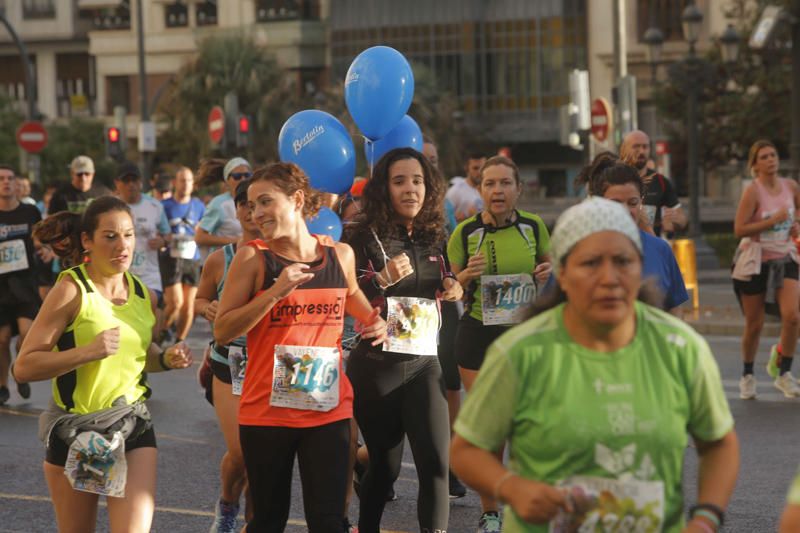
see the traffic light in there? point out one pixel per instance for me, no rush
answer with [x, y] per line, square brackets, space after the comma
[243, 129]
[114, 143]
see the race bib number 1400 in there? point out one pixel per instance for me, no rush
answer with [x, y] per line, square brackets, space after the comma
[504, 298]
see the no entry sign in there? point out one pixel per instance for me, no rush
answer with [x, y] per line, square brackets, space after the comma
[31, 136]
[216, 124]
[601, 119]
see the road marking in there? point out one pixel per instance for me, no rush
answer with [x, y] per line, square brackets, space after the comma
[17, 412]
[173, 510]
[180, 439]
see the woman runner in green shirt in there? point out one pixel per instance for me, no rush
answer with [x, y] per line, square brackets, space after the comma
[101, 319]
[595, 396]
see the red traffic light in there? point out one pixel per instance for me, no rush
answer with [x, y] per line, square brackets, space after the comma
[244, 124]
[113, 135]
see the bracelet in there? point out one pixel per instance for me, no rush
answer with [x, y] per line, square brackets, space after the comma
[499, 485]
[705, 527]
[718, 513]
[162, 362]
[708, 515]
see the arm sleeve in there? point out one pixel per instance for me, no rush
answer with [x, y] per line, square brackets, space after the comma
[670, 196]
[486, 418]
[211, 218]
[710, 416]
[455, 248]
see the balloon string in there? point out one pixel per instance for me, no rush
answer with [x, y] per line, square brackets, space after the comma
[371, 154]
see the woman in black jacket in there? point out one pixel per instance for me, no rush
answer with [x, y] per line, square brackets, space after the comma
[399, 242]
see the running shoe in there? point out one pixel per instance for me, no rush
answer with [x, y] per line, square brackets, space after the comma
[490, 522]
[772, 365]
[457, 489]
[747, 387]
[787, 385]
[4, 395]
[225, 518]
[348, 527]
[24, 390]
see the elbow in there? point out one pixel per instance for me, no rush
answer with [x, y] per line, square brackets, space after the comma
[738, 231]
[221, 334]
[20, 371]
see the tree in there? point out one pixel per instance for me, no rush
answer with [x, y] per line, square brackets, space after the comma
[77, 136]
[739, 103]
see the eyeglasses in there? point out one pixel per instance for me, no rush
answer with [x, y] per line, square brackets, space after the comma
[240, 175]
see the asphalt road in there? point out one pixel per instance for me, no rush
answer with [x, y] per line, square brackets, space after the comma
[190, 447]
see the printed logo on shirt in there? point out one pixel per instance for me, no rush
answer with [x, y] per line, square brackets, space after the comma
[298, 311]
[13, 230]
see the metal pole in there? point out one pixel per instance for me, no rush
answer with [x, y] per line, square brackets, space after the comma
[794, 144]
[144, 114]
[30, 88]
[691, 141]
[620, 41]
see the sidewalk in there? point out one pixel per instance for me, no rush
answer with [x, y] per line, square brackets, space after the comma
[719, 312]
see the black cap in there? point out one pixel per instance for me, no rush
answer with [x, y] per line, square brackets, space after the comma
[128, 168]
[241, 192]
[163, 183]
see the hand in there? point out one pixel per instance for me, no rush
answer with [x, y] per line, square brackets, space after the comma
[45, 253]
[397, 268]
[156, 243]
[692, 527]
[475, 266]
[178, 356]
[667, 219]
[453, 291]
[104, 344]
[290, 278]
[210, 312]
[542, 273]
[374, 327]
[781, 216]
[534, 502]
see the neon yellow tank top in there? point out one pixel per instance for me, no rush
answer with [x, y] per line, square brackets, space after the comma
[95, 386]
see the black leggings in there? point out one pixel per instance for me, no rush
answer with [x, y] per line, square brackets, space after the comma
[397, 396]
[322, 455]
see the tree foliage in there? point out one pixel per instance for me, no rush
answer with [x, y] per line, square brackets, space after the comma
[739, 103]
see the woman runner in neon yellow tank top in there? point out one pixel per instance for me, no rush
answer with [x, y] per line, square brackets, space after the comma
[93, 337]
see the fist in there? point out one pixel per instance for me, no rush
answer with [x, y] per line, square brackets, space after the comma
[397, 268]
[178, 356]
[781, 216]
[104, 344]
[290, 278]
[542, 273]
[476, 265]
[211, 311]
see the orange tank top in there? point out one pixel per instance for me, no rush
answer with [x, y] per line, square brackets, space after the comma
[295, 376]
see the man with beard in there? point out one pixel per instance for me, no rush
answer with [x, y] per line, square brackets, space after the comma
[661, 204]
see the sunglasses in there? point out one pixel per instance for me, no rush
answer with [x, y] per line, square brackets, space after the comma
[83, 173]
[240, 175]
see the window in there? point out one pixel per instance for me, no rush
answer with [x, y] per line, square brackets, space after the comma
[118, 92]
[38, 9]
[277, 10]
[664, 14]
[206, 13]
[176, 15]
[113, 18]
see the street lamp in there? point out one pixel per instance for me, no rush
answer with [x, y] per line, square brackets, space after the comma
[692, 22]
[654, 39]
[729, 45]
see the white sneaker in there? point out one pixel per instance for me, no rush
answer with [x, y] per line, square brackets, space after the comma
[787, 385]
[747, 387]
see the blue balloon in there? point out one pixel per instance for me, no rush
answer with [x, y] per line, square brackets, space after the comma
[319, 144]
[326, 222]
[378, 90]
[405, 135]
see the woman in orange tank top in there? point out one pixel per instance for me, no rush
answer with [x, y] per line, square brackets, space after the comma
[289, 293]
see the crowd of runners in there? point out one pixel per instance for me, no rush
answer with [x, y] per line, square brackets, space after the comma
[582, 385]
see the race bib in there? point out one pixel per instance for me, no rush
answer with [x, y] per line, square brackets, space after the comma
[650, 211]
[504, 298]
[780, 231]
[237, 361]
[412, 326]
[603, 505]
[13, 257]
[182, 247]
[306, 377]
[97, 465]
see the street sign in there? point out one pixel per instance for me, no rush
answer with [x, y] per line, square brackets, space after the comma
[147, 136]
[31, 136]
[601, 119]
[216, 124]
[662, 147]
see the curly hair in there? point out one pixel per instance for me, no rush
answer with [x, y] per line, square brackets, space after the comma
[376, 205]
[289, 178]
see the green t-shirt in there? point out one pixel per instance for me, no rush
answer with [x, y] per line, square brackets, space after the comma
[570, 411]
[509, 250]
[793, 498]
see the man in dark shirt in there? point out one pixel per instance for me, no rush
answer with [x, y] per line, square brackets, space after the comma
[80, 191]
[19, 296]
[661, 204]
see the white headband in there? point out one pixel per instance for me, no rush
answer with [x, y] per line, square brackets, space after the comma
[590, 216]
[233, 163]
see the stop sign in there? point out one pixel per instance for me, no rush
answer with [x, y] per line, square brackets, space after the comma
[601, 119]
[31, 136]
[216, 124]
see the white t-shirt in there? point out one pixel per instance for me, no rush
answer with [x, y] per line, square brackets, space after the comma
[465, 198]
[149, 221]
